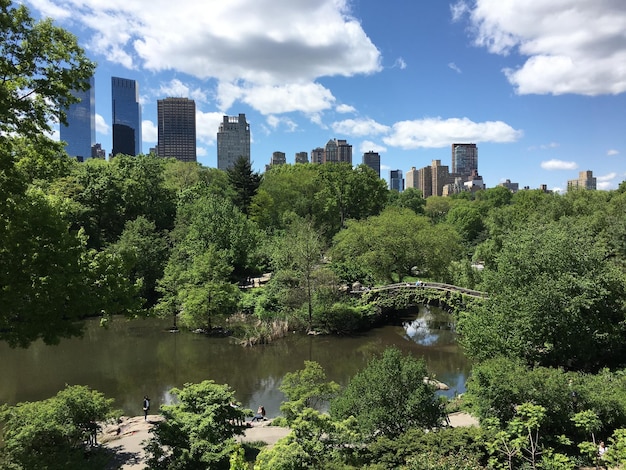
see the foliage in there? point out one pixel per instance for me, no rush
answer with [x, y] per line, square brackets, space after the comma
[53, 433]
[316, 441]
[390, 396]
[306, 388]
[616, 450]
[245, 183]
[41, 65]
[342, 318]
[198, 431]
[562, 302]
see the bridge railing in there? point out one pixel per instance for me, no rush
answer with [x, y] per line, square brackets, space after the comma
[425, 285]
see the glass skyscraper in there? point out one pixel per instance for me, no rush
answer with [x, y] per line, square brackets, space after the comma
[80, 132]
[126, 116]
[464, 159]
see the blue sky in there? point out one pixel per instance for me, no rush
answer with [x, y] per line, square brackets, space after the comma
[538, 86]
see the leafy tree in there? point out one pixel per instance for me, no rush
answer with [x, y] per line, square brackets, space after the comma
[41, 65]
[437, 207]
[412, 198]
[52, 434]
[467, 220]
[554, 299]
[390, 396]
[297, 256]
[306, 388]
[245, 183]
[198, 431]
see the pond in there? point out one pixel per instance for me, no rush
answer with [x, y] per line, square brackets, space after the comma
[133, 358]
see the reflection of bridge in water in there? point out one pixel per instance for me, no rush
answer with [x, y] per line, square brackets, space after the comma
[423, 285]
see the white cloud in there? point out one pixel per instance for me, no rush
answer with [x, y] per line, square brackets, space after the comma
[612, 152]
[201, 152]
[359, 127]
[454, 67]
[177, 89]
[305, 97]
[345, 109]
[437, 132]
[608, 177]
[369, 146]
[558, 165]
[458, 9]
[101, 126]
[604, 185]
[571, 46]
[149, 131]
[400, 63]
[551, 145]
[275, 122]
[207, 125]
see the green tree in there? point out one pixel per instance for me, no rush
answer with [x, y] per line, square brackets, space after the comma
[198, 431]
[52, 434]
[245, 183]
[306, 388]
[412, 198]
[554, 299]
[390, 396]
[41, 65]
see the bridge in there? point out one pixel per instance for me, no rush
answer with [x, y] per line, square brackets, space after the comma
[424, 285]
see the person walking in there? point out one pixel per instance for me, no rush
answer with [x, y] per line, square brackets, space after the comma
[146, 407]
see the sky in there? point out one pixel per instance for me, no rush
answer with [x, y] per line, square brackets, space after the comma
[539, 86]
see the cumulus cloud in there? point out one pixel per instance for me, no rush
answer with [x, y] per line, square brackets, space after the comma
[551, 145]
[177, 89]
[400, 63]
[571, 46]
[101, 126]
[201, 152]
[608, 177]
[253, 48]
[149, 131]
[207, 125]
[359, 127]
[454, 67]
[438, 132]
[369, 146]
[555, 164]
[345, 109]
[612, 152]
[276, 121]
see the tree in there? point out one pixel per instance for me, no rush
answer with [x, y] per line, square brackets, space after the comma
[390, 396]
[306, 388]
[411, 198]
[41, 65]
[52, 434]
[245, 182]
[198, 431]
[554, 299]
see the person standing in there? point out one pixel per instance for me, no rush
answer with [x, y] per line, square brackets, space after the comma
[146, 407]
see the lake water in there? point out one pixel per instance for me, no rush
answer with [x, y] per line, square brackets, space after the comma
[133, 358]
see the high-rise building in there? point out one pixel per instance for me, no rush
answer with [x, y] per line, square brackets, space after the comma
[278, 158]
[513, 187]
[317, 155]
[80, 131]
[126, 116]
[411, 178]
[464, 159]
[330, 152]
[177, 129]
[302, 157]
[344, 152]
[372, 159]
[395, 180]
[233, 141]
[585, 180]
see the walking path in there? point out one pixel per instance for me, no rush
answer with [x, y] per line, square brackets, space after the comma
[126, 439]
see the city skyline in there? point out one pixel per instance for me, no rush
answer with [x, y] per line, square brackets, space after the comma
[534, 85]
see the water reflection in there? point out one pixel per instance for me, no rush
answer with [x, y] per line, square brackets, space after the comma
[132, 359]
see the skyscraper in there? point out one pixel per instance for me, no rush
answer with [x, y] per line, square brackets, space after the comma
[395, 180]
[317, 155]
[233, 141]
[177, 129]
[372, 159]
[80, 132]
[464, 159]
[337, 151]
[126, 116]
[302, 157]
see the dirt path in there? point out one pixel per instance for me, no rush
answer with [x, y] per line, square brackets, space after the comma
[127, 438]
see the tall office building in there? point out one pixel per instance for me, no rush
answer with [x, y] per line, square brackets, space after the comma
[411, 178]
[585, 180]
[126, 116]
[464, 159]
[395, 180]
[177, 129]
[80, 132]
[233, 141]
[344, 152]
[372, 159]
